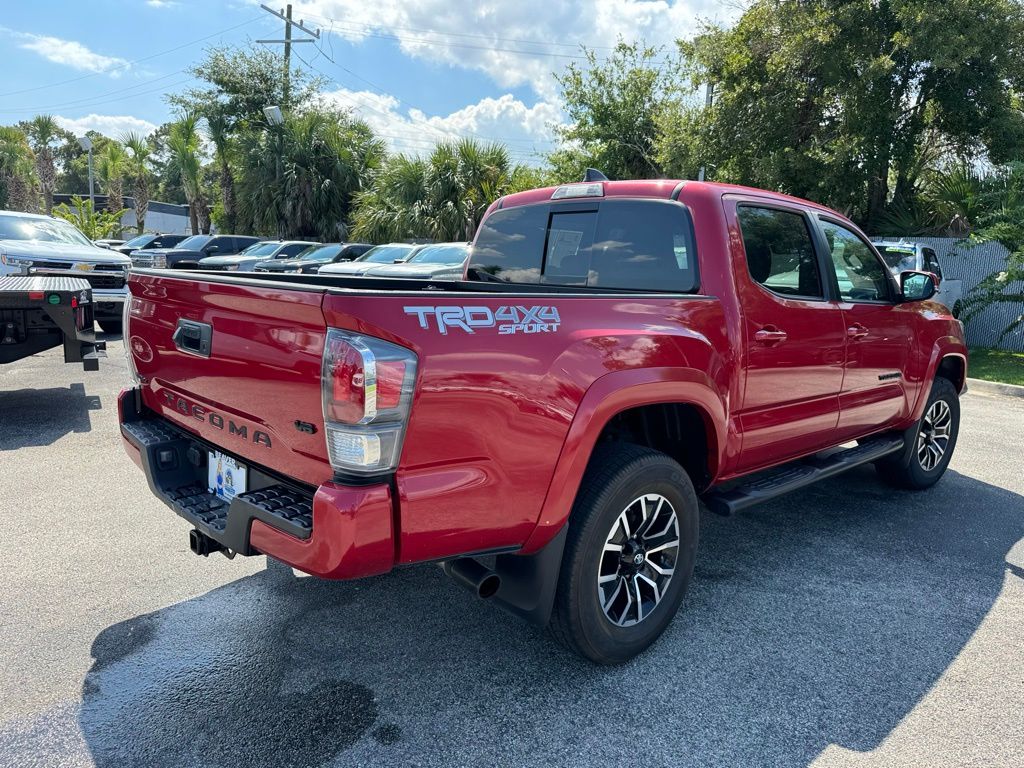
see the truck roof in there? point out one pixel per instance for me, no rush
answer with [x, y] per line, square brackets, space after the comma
[663, 189]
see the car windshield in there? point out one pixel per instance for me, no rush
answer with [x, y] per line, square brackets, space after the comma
[441, 254]
[261, 249]
[194, 243]
[898, 258]
[43, 230]
[387, 254]
[139, 242]
[319, 253]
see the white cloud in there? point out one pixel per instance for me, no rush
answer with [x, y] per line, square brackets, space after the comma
[515, 44]
[162, 3]
[109, 125]
[69, 53]
[525, 131]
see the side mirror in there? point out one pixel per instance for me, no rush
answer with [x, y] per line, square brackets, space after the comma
[211, 249]
[917, 286]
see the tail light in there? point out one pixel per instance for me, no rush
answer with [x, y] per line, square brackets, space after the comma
[126, 334]
[367, 387]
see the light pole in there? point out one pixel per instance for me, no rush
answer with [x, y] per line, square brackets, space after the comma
[275, 118]
[86, 143]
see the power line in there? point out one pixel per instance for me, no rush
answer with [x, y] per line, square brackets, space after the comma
[96, 99]
[286, 17]
[133, 62]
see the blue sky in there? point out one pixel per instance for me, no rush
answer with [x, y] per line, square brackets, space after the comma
[417, 70]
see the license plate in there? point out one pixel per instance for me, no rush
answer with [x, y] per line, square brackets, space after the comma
[225, 477]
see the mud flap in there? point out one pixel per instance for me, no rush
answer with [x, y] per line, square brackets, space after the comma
[529, 582]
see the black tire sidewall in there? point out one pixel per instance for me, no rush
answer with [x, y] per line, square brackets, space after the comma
[942, 389]
[659, 474]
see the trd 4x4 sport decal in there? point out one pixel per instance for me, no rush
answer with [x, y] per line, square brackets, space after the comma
[506, 319]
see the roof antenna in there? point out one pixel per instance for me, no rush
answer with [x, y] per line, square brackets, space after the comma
[592, 174]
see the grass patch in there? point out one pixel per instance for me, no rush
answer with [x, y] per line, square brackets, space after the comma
[996, 365]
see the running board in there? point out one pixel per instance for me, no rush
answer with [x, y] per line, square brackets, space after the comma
[798, 474]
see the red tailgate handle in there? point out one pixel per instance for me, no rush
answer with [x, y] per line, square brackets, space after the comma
[856, 331]
[770, 335]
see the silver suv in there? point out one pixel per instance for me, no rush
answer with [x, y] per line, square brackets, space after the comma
[31, 244]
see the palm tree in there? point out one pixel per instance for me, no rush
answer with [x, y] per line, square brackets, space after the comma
[111, 166]
[42, 132]
[17, 171]
[219, 127]
[138, 174]
[299, 179]
[443, 197]
[185, 146]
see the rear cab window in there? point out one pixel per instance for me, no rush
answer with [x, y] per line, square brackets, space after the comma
[618, 244]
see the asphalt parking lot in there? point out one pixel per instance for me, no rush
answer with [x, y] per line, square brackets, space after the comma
[849, 625]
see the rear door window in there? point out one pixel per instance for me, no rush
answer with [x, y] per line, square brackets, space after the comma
[617, 244]
[931, 262]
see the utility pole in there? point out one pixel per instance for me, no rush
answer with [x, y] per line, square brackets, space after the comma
[286, 16]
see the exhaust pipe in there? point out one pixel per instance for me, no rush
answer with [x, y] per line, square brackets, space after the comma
[201, 544]
[469, 573]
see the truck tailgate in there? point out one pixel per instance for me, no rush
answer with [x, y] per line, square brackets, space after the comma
[255, 391]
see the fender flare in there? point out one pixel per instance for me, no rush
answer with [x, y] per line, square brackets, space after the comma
[608, 396]
[946, 346]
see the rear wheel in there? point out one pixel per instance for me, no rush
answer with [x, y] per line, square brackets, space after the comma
[629, 554]
[931, 443]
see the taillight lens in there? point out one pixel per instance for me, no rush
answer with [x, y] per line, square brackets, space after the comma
[126, 334]
[367, 387]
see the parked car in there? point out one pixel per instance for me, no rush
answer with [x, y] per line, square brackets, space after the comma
[441, 261]
[901, 256]
[559, 410]
[314, 257]
[187, 253]
[392, 253]
[31, 244]
[107, 242]
[255, 253]
[148, 241]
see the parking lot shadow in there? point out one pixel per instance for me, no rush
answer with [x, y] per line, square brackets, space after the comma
[37, 417]
[820, 619]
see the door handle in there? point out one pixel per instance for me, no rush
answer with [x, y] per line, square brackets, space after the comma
[770, 335]
[192, 337]
[856, 331]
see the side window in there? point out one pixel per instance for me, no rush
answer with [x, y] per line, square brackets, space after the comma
[510, 245]
[931, 262]
[861, 276]
[780, 252]
[293, 249]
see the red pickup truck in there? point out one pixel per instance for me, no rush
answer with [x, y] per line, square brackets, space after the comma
[544, 427]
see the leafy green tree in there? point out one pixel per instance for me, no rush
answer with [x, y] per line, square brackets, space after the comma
[299, 179]
[442, 197]
[43, 132]
[17, 172]
[241, 82]
[138, 173]
[614, 108]
[92, 223]
[836, 99]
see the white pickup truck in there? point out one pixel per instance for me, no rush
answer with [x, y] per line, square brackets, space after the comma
[900, 256]
[42, 246]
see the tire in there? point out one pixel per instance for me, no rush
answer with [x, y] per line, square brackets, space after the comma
[115, 327]
[917, 466]
[621, 481]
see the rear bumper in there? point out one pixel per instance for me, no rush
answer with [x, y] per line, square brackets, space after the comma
[333, 531]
